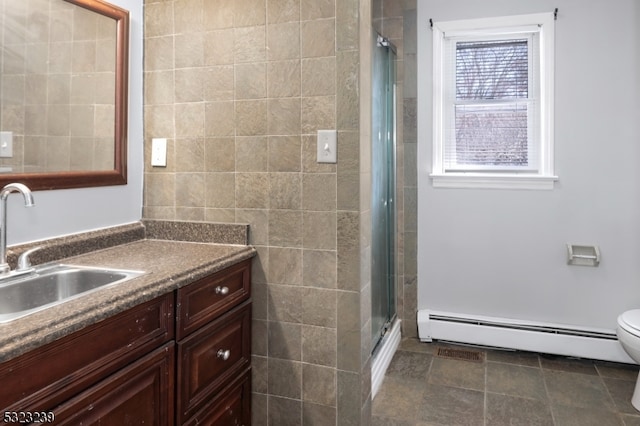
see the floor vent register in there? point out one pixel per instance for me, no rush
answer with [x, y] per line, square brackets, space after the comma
[460, 354]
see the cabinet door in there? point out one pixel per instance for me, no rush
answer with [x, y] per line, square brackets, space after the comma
[231, 407]
[46, 377]
[211, 358]
[140, 394]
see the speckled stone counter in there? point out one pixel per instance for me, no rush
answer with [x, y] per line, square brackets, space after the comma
[168, 265]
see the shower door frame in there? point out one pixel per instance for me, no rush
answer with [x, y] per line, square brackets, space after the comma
[387, 140]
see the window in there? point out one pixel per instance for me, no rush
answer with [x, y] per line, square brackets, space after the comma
[493, 102]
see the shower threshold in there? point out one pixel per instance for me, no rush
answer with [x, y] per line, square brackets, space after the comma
[382, 356]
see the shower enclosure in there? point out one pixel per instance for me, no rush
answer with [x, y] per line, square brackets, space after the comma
[383, 171]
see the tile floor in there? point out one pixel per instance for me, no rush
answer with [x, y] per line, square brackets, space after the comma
[505, 388]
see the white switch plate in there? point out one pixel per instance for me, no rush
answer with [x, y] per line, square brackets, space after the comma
[6, 144]
[327, 146]
[159, 152]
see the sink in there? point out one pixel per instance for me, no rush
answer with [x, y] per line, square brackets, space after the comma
[51, 285]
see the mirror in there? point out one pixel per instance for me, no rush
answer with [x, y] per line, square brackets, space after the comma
[63, 93]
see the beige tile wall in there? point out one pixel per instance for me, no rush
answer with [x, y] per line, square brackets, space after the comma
[57, 86]
[239, 88]
[410, 175]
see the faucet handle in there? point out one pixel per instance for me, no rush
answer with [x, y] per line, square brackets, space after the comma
[23, 260]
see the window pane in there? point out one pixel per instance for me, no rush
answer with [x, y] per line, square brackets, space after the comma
[492, 69]
[491, 135]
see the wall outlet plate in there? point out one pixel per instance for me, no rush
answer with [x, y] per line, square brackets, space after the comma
[159, 152]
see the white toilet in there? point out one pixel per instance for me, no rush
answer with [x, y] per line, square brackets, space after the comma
[628, 332]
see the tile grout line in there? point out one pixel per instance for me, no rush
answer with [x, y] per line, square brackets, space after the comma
[485, 407]
[606, 388]
[546, 390]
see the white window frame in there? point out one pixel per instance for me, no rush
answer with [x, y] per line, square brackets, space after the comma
[541, 175]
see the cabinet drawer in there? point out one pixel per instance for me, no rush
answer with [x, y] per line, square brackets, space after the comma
[210, 358]
[204, 300]
[43, 378]
[140, 394]
[232, 406]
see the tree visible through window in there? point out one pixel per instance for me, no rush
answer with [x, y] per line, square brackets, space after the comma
[491, 108]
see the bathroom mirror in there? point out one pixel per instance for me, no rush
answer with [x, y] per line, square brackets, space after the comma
[63, 93]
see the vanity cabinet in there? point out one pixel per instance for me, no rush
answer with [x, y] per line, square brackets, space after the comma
[46, 377]
[214, 348]
[182, 358]
[231, 406]
[139, 394]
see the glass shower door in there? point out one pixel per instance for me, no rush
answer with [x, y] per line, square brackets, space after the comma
[383, 171]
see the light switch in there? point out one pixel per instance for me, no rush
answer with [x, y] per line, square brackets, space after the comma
[6, 144]
[159, 152]
[327, 146]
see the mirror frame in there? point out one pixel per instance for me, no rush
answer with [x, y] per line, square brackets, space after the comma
[88, 178]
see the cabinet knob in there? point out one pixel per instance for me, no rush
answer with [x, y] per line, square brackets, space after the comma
[224, 354]
[222, 290]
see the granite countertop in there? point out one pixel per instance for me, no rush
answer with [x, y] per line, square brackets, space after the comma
[168, 265]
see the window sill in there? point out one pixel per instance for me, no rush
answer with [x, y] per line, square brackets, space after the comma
[492, 181]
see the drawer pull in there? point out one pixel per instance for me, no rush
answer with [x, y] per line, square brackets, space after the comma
[222, 290]
[224, 354]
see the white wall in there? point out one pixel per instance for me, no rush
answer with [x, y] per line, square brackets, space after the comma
[502, 253]
[71, 211]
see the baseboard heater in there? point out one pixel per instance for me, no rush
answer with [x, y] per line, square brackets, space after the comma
[521, 335]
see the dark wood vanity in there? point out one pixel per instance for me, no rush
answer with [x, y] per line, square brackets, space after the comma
[182, 358]
[213, 335]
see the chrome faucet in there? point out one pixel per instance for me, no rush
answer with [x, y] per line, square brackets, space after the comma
[28, 202]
